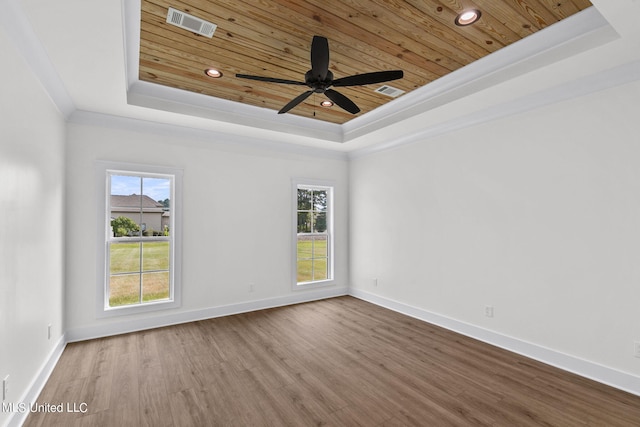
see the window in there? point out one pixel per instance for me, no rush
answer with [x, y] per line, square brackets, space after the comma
[313, 242]
[140, 240]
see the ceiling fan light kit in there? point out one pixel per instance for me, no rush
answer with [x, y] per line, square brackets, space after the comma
[320, 80]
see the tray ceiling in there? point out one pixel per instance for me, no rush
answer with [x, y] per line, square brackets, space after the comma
[273, 39]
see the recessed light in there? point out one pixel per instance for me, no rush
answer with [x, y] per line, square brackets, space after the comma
[212, 72]
[326, 104]
[468, 17]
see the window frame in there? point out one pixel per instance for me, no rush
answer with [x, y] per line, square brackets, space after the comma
[314, 184]
[104, 169]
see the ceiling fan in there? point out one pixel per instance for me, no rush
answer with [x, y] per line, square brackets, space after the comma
[320, 79]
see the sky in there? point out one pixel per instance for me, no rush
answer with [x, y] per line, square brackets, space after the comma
[156, 188]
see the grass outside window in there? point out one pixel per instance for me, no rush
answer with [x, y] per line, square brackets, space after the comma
[312, 258]
[139, 272]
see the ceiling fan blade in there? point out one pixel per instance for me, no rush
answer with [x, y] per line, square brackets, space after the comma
[342, 101]
[369, 78]
[270, 79]
[295, 101]
[319, 57]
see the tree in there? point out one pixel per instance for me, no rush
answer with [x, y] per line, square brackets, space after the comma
[165, 203]
[123, 226]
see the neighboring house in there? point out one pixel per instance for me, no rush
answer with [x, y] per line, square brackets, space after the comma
[154, 217]
[166, 219]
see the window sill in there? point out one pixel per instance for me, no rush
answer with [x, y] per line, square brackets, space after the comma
[313, 285]
[137, 308]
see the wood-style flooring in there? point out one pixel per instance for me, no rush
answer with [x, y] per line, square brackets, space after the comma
[336, 362]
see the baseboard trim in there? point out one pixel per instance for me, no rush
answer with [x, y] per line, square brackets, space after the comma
[609, 376]
[105, 329]
[38, 382]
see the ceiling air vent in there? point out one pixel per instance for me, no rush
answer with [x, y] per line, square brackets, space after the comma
[389, 91]
[191, 23]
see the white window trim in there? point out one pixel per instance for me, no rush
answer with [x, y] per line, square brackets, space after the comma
[102, 168]
[319, 184]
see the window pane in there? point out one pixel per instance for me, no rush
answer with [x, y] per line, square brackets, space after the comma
[124, 257]
[155, 205]
[320, 200]
[158, 189]
[125, 205]
[304, 199]
[304, 222]
[155, 286]
[155, 256]
[124, 289]
[305, 269]
[320, 247]
[320, 269]
[124, 224]
[305, 247]
[319, 222]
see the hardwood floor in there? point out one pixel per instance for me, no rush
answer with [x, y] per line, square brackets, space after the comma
[337, 362]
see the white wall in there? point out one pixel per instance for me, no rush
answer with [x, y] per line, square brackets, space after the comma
[537, 215]
[31, 224]
[238, 218]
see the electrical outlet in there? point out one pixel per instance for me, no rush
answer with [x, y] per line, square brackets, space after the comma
[488, 310]
[5, 388]
[375, 283]
[636, 349]
[252, 287]
[49, 331]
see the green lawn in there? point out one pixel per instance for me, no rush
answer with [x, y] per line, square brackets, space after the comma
[312, 259]
[127, 278]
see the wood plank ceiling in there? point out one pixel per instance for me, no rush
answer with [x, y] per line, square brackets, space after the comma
[273, 37]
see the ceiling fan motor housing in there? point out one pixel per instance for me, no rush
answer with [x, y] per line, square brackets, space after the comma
[318, 86]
